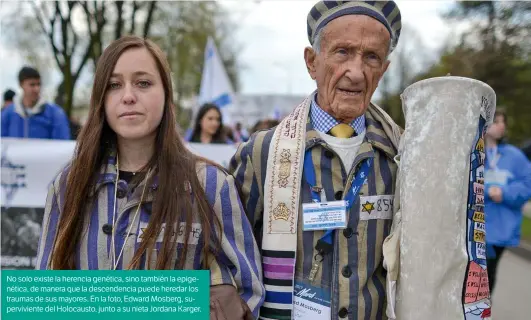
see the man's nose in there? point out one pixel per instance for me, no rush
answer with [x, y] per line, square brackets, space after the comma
[354, 70]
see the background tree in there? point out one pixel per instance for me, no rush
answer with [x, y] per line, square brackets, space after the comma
[72, 36]
[495, 49]
[75, 33]
[182, 30]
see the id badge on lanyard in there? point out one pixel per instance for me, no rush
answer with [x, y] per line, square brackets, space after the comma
[329, 215]
[310, 303]
[324, 215]
[494, 175]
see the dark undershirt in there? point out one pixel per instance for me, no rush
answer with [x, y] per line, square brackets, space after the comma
[125, 175]
[128, 176]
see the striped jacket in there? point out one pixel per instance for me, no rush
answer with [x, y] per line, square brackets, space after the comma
[238, 263]
[353, 274]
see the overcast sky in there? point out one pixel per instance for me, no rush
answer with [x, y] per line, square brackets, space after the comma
[272, 35]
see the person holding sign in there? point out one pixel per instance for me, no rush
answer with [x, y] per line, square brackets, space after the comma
[134, 197]
[508, 188]
[319, 187]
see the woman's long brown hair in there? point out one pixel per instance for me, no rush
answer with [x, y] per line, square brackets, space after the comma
[174, 163]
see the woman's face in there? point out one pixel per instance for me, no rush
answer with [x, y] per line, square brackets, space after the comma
[134, 101]
[497, 129]
[210, 122]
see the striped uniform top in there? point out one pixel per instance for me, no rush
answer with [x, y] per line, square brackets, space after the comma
[353, 273]
[238, 261]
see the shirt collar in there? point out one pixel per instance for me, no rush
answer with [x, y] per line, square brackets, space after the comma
[323, 122]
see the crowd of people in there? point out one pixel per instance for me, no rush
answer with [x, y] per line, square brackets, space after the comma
[259, 255]
[31, 117]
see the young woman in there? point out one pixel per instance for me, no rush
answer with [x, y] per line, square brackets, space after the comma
[507, 189]
[134, 197]
[209, 126]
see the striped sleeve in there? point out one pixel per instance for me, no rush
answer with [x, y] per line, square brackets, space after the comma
[49, 228]
[241, 167]
[239, 251]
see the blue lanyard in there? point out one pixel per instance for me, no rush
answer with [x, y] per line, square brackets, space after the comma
[325, 243]
[492, 157]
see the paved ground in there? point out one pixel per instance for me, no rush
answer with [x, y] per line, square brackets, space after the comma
[527, 209]
[512, 295]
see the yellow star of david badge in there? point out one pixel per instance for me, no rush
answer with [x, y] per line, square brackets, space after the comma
[367, 207]
[142, 234]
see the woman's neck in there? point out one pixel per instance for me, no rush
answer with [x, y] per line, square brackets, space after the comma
[491, 142]
[134, 155]
[205, 137]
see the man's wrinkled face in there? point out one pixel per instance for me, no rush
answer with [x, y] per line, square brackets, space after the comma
[351, 62]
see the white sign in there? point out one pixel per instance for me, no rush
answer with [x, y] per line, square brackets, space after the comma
[30, 165]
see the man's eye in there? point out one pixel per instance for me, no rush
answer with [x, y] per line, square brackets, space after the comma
[342, 51]
[373, 56]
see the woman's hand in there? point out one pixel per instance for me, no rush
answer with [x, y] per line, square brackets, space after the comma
[226, 304]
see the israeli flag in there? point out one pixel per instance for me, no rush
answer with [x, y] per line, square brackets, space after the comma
[215, 84]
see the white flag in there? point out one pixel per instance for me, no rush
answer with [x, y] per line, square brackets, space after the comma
[215, 84]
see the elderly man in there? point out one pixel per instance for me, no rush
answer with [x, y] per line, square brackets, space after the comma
[319, 187]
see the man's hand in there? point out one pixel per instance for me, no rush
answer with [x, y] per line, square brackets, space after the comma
[496, 194]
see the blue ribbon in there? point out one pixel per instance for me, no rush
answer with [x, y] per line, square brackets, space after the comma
[357, 183]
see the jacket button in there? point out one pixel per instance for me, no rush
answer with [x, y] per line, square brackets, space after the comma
[120, 193]
[343, 313]
[107, 229]
[348, 232]
[346, 272]
[329, 154]
[338, 195]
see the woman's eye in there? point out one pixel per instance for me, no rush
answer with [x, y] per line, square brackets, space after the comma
[114, 85]
[144, 84]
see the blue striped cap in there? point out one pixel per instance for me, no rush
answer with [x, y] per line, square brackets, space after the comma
[386, 12]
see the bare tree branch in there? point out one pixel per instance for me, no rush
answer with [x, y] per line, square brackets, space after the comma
[49, 34]
[119, 19]
[88, 15]
[39, 18]
[132, 28]
[64, 30]
[86, 56]
[75, 37]
[149, 18]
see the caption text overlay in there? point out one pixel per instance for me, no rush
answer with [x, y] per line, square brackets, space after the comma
[28, 294]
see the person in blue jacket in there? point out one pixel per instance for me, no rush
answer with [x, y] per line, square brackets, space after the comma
[29, 116]
[507, 189]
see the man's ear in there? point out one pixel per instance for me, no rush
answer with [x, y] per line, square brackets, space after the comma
[309, 59]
